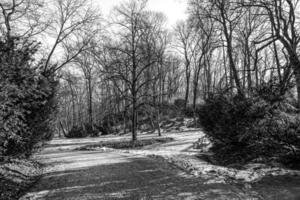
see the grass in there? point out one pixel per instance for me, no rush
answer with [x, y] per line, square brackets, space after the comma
[127, 144]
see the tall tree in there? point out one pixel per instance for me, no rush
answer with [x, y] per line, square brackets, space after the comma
[132, 54]
[74, 24]
[184, 43]
[228, 16]
[283, 17]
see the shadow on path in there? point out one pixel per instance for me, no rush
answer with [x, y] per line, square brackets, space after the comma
[109, 175]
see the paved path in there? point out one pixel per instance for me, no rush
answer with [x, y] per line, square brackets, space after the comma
[114, 175]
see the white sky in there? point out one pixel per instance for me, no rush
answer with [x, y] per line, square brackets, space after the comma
[173, 9]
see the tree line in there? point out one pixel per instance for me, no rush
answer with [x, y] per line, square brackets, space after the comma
[125, 69]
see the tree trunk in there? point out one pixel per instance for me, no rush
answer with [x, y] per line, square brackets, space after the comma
[186, 99]
[151, 121]
[134, 102]
[208, 76]
[157, 121]
[73, 107]
[133, 121]
[195, 94]
[296, 67]
[234, 71]
[133, 85]
[62, 128]
[163, 89]
[90, 109]
[125, 121]
[248, 64]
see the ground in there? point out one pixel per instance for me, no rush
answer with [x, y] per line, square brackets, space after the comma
[149, 173]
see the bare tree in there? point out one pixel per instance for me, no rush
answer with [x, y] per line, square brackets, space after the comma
[283, 17]
[87, 63]
[74, 24]
[22, 18]
[228, 16]
[205, 44]
[131, 56]
[186, 48]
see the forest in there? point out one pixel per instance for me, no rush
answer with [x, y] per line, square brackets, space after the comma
[232, 67]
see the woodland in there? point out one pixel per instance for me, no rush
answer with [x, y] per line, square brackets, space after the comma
[233, 67]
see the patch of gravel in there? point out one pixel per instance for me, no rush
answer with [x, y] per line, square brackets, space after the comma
[16, 176]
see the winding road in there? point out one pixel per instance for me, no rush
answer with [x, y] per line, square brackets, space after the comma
[110, 174]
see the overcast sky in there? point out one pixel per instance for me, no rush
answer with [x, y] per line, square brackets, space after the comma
[173, 9]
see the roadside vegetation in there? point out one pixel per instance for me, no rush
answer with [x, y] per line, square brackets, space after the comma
[245, 130]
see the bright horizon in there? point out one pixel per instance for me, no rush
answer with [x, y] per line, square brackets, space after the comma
[174, 10]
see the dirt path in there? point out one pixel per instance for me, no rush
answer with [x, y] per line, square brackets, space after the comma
[113, 175]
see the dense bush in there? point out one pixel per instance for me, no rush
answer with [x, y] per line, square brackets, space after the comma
[242, 129]
[27, 99]
[112, 120]
[273, 91]
[179, 103]
[91, 130]
[189, 112]
[168, 110]
[85, 131]
[77, 132]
